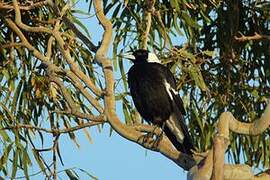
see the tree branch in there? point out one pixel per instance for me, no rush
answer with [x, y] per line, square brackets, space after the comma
[213, 166]
[150, 10]
[71, 26]
[26, 44]
[25, 27]
[255, 37]
[68, 98]
[9, 45]
[74, 67]
[255, 128]
[54, 131]
[54, 149]
[25, 8]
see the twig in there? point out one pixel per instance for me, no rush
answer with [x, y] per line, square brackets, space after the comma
[25, 8]
[55, 147]
[150, 7]
[255, 37]
[77, 83]
[9, 45]
[53, 131]
[71, 26]
[25, 27]
[68, 98]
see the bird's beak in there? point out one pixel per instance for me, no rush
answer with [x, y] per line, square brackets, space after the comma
[128, 55]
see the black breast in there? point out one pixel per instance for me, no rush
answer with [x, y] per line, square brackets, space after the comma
[146, 83]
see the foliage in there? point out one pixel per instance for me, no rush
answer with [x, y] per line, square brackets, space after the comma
[215, 72]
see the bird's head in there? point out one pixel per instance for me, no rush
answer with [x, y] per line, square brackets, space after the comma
[141, 55]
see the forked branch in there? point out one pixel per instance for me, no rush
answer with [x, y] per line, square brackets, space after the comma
[213, 166]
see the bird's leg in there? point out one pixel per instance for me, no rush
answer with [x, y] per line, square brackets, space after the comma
[152, 138]
[156, 135]
[150, 135]
[159, 135]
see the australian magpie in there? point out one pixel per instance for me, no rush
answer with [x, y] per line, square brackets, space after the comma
[153, 90]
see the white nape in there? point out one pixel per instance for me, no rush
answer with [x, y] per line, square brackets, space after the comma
[152, 58]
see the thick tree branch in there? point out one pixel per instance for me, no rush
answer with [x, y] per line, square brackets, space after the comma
[220, 145]
[255, 128]
[213, 166]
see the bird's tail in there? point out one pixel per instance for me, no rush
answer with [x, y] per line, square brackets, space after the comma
[177, 132]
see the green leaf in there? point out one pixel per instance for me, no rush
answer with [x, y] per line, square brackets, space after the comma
[197, 118]
[25, 162]
[175, 5]
[39, 161]
[71, 175]
[196, 75]
[90, 175]
[16, 96]
[126, 114]
[209, 53]
[5, 155]
[188, 20]
[78, 11]
[15, 159]
[4, 135]
[176, 26]
[81, 25]
[116, 11]
[123, 73]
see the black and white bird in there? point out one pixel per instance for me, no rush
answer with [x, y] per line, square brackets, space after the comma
[153, 90]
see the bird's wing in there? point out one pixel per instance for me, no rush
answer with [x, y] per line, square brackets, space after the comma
[172, 82]
[176, 121]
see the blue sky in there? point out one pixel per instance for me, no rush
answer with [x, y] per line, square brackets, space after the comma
[115, 158]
